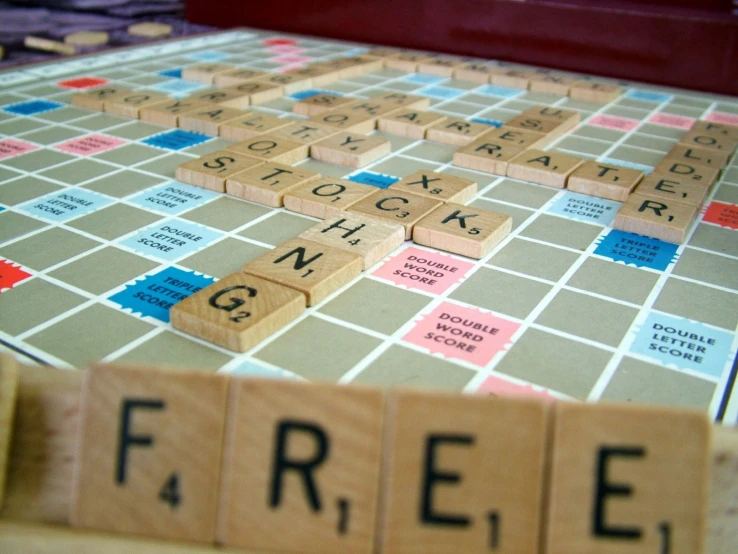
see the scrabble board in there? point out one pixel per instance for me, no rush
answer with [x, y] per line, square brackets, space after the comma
[98, 240]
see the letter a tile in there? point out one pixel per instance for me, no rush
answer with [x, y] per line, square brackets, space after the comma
[301, 471]
[149, 455]
[465, 474]
[628, 479]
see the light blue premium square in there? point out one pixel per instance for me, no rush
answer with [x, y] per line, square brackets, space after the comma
[173, 198]
[171, 240]
[63, 206]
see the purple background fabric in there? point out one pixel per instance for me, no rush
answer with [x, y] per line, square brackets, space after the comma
[55, 19]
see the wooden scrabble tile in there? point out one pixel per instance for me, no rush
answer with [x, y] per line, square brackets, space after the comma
[684, 170]
[439, 186]
[551, 84]
[591, 91]
[345, 120]
[205, 72]
[319, 74]
[477, 72]
[627, 479]
[552, 128]
[382, 52]
[520, 137]
[314, 269]
[463, 230]
[350, 149]
[44, 445]
[149, 455]
[715, 129]
[409, 122]
[693, 155]
[456, 132]
[258, 91]
[514, 78]
[211, 171]
[150, 29]
[443, 492]
[320, 103]
[405, 61]
[492, 151]
[207, 120]
[442, 66]
[373, 108]
[325, 197]
[267, 183]
[305, 132]
[655, 216]
[710, 141]
[130, 105]
[545, 168]
[251, 125]
[673, 188]
[237, 312]
[402, 100]
[226, 97]
[372, 239]
[288, 82]
[87, 38]
[269, 148]
[237, 76]
[396, 206]
[8, 398]
[167, 113]
[307, 457]
[604, 180]
[569, 118]
[46, 45]
[353, 66]
[95, 98]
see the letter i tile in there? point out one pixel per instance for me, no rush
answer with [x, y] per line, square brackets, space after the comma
[301, 467]
[628, 480]
[148, 461]
[465, 474]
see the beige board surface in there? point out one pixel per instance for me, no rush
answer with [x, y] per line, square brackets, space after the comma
[655, 217]
[267, 183]
[395, 206]
[325, 197]
[212, 171]
[237, 312]
[673, 188]
[321, 103]
[350, 149]
[8, 395]
[208, 119]
[463, 230]
[464, 474]
[335, 434]
[167, 113]
[439, 186]
[43, 446]
[205, 72]
[544, 168]
[456, 132]
[250, 125]
[370, 238]
[270, 148]
[149, 456]
[681, 169]
[314, 269]
[628, 479]
[409, 122]
[591, 91]
[95, 99]
[604, 180]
